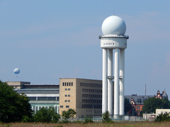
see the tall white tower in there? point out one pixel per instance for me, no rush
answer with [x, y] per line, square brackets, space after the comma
[113, 37]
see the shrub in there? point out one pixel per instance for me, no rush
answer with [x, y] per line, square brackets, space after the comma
[106, 117]
[163, 117]
[46, 115]
[88, 120]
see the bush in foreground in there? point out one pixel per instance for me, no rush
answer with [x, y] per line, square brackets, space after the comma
[106, 117]
[163, 117]
[88, 120]
[46, 115]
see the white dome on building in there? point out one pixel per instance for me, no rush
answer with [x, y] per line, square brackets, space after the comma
[114, 25]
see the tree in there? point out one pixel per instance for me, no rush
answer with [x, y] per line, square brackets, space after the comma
[106, 117]
[163, 117]
[13, 107]
[151, 104]
[46, 115]
[68, 114]
[88, 120]
[128, 107]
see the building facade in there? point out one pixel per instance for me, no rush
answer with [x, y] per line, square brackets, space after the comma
[137, 101]
[82, 95]
[40, 95]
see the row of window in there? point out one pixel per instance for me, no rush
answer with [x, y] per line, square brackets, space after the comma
[67, 95]
[67, 89]
[37, 108]
[91, 96]
[43, 98]
[92, 90]
[95, 111]
[91, 106]
[67, 100]
[61, 106]
[67, 83]
[91, 85]
[91, 101]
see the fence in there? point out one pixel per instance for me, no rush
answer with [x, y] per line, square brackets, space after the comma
[99, 119]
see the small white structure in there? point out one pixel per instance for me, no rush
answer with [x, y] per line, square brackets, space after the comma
[159, 111]
[113, 37]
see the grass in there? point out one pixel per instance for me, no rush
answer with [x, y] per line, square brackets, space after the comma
[124, 124]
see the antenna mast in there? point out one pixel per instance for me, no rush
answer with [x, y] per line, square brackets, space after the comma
[145, 89]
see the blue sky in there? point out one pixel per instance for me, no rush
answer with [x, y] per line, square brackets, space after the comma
[56, 39]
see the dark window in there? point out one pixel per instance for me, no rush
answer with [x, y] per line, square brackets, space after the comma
[65, 100]
[138, 100]
[68, 100]
[65, 89]
[32, 98]
[68, 89]
[51, 98]
[63, 83]
[42, 99]
[57, 98]
[46, 98]
[68, 95]
[67, 106]
[61, 106]
[138, 107]
[65, 95]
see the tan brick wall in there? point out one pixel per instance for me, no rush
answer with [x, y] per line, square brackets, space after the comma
[71, 92]
[17, 84]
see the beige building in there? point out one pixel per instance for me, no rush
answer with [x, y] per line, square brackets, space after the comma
[82, 95]
[159, 111]
[17, 84]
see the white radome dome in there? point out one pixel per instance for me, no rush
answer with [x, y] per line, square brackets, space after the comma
[114, 25]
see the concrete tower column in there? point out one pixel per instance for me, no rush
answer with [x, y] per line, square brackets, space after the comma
[116, 82]
[110, 82]
[121, 82]
[113, 29]
[104, 82]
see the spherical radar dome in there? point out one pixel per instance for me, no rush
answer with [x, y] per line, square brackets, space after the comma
[16, 71]
[114, 25]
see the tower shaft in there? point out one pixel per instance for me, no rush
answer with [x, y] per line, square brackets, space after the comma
[121, 82]
[110, 82]
[104, 82]
[116, 82]
[119, 44]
